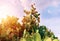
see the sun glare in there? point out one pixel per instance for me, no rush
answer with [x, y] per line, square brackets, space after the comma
[4, 12]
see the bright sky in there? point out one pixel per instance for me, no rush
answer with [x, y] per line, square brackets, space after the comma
[49, 10]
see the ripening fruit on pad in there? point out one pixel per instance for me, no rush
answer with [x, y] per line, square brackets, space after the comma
[49, 39]
[22, 39]
[55, 40]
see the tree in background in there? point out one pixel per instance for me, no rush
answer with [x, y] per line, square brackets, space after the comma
[10, 27]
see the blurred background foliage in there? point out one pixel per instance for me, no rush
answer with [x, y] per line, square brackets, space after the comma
[29, 30]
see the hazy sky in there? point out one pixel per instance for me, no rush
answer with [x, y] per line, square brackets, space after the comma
[49, 10]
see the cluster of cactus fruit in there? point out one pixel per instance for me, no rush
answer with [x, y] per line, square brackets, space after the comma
[29, 30]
